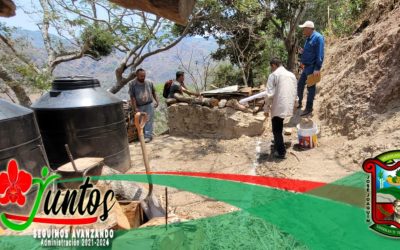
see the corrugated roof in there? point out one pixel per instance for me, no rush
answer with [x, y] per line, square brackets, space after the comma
[226, 90]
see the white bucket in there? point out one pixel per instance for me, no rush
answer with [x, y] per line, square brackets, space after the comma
[308, 136]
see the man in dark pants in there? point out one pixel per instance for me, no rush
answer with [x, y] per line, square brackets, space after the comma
[277, 131]
[280, 99]
[311, 60]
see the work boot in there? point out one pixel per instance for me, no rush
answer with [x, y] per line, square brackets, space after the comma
[279, 156]
[288, 144]
[306, 112]
[147, 139]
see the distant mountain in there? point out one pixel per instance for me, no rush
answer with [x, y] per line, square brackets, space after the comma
[35, 37]
[159, 67]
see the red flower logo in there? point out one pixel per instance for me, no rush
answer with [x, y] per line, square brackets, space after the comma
[14, 184]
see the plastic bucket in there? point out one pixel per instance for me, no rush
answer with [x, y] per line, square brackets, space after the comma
[308, 136]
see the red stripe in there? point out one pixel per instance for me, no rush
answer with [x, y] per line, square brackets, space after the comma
[64, 221]
[301, 186]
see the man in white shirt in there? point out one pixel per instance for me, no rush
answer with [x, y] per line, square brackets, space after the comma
[280, 100]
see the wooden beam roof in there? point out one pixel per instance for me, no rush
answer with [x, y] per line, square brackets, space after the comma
[7, 8]
[174, 10]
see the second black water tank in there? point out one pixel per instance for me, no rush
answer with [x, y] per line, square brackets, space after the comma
[20, 138]
[78, 112]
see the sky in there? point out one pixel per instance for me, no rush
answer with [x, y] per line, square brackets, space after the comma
[21, 19]
[29, 22]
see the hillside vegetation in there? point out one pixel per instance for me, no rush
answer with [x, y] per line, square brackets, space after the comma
[360, 90]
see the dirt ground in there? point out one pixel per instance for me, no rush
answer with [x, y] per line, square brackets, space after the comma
[246, 155]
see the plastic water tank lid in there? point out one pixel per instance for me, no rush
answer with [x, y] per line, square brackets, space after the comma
[10, 110]
[74, 82]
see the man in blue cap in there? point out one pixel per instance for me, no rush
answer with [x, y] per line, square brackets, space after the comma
[311, 60]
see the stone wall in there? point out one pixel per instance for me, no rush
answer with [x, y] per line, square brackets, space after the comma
[222, 123]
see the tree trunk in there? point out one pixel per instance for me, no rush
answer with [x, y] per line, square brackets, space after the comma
[244, 77]
[19, 91]
[120, 84]
[291, 48]
[250, 78]
[291, 39]
[292, 56]
[116, 87]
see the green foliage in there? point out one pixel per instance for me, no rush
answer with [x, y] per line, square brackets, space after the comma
[273, 48]
[380, 175]
[395, 179]
[283, 11]
[391, 190]
[254, 26]
[6, 30]
[101, 41]
[77, 22]
[342, 15]
[241, 31]
[226, 75]
[398, 173]
[41, 80]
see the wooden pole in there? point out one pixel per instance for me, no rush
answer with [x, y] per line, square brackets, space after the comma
[71, 158]
[47, 162]
[166, 208]
[329, 19]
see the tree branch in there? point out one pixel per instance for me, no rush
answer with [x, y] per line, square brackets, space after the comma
[19, 91]
[18, 55]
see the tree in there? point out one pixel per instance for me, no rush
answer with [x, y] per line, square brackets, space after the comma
[13, 62]
[91, 29]
[239, 29]
[20, 72]
[243, 46]
[226, 74]
[199, 71]
[336, 18]
[380, 176]
[285, 15]
[245, 30]
[13, 84]
[134, 34]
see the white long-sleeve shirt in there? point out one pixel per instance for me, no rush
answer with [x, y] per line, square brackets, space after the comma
[281, 93]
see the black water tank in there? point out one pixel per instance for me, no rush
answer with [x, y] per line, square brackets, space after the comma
[78, 112]
[20, 138]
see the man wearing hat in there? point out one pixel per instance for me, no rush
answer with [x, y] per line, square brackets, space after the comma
[311, 60]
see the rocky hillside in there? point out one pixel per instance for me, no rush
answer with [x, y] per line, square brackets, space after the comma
[360, 91]
[359, 96]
